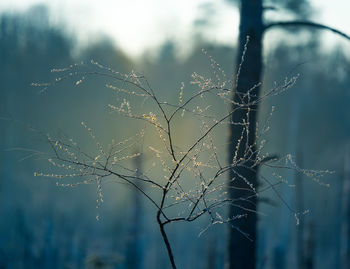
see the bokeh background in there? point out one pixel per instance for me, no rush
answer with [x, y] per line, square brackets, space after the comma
[44, 226]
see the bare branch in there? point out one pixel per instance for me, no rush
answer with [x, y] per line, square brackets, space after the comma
[307, 24]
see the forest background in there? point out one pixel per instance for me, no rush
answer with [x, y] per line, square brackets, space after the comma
[44, 226]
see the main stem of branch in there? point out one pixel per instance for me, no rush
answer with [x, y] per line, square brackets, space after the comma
[167, 243]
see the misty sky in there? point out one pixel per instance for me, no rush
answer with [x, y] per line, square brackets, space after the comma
[137, 25]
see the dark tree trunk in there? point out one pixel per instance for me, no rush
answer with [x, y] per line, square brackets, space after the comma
[299, 202]
[211, 253]
[345, 215]
[134, 251]
[241, 250]
[309, 247]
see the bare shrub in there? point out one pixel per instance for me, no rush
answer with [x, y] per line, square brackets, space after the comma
[185, 178]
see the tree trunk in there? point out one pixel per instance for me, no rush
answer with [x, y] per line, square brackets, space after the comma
[345, 215]
[299, 202]
[309, 246]
[211, 252]
[241, 251]
[134, 251]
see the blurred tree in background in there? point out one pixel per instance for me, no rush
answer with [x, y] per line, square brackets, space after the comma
[241, 252]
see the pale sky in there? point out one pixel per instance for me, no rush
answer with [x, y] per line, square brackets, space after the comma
[139, 25]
